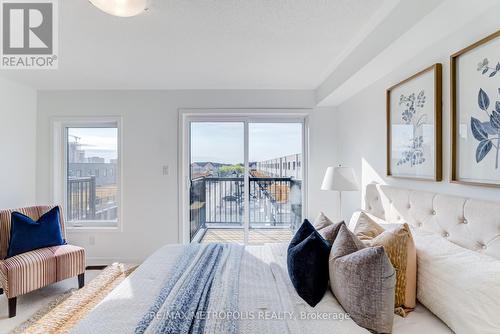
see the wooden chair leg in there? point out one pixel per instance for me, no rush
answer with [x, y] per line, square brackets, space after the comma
[12, 307]
[81, 280]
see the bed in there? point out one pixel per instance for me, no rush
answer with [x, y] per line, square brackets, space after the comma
[265, 288]
[266, 299]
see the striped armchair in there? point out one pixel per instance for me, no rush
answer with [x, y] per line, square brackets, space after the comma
[32, 270]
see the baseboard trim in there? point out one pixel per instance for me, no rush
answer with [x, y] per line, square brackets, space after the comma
[95, 267]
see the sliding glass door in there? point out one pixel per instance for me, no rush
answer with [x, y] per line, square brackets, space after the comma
[217, 170]
[275, 155]
[245, 176]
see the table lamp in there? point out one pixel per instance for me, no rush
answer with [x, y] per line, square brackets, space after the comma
[340, 179]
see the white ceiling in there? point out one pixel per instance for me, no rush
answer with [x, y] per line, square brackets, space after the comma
[203, 44]
[406, 31]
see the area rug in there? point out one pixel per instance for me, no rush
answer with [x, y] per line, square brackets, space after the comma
[64, 312]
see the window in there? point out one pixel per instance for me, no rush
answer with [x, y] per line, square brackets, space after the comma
[91, 197]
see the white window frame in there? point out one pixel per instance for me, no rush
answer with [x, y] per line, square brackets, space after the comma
[186, 116]
[59, 169]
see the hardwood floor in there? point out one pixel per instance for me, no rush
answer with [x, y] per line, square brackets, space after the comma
[255, 237]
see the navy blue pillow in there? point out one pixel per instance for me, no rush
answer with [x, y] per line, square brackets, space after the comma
[307, 261]
[27, 234]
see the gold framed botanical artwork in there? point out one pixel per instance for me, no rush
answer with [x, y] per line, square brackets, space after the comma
[414, 126]
[475, 113]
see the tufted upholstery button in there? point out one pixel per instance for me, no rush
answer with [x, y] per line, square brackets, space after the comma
[433, 212]
[465, 221]
[399, 218]
[419, 224]
[370, 207]
[446, 234]
[409, 206]
[484, 247]
[376, 198]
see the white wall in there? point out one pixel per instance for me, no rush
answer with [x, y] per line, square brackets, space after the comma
[322, 154]
[17, 145]
[361, 136]
[150, 140]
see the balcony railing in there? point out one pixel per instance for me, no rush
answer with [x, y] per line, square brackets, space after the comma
[219, 201]
[81, 198]
[88, 202]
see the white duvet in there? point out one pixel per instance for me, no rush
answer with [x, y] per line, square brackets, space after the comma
[459, 285]
[267, 300]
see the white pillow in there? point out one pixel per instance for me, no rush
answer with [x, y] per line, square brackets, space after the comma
[460, 286]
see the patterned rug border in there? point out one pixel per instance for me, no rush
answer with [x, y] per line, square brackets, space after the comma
[21, 328]
[63, 312]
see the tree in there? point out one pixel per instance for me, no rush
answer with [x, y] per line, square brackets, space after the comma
[230, 170]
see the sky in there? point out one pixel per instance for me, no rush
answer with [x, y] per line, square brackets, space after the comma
[210, 141]
[223, 141]
[97, 142]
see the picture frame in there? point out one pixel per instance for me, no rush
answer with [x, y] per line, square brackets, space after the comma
[414, 126]
[475, 113]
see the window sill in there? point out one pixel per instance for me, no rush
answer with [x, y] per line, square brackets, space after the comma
[82, 229]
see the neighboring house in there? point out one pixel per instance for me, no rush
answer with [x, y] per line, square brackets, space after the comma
[104, 173]
[203, 169]
[286, 166]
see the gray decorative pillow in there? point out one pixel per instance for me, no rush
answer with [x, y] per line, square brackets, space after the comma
[322, 221]
[363, 281]
[330, 232]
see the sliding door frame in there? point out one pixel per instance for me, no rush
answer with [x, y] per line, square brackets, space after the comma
[246, 116]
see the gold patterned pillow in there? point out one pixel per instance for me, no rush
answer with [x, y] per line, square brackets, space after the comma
[399, 246]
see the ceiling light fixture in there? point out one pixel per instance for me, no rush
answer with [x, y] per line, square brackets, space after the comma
[122, 8]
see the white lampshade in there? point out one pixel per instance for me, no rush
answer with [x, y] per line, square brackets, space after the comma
[340, 178]
[123, 8]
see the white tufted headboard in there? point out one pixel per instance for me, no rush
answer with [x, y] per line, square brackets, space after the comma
[470, 223]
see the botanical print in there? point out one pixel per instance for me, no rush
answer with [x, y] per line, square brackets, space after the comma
[476, 112]
[485, 68]
[413, 117]
[487, 132]
[413, 114]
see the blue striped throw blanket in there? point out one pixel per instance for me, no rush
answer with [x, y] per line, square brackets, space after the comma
[200, 291]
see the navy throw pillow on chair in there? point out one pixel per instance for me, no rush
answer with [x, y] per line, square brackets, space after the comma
[307, 262]
[27, 234]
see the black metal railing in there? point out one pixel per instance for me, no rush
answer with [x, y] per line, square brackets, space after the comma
[274, 202]
[197, 206]
[224, 200]
[81, 198]
[85, 204]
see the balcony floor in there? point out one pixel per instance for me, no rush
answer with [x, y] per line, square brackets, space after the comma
[255, 237]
